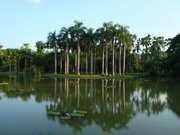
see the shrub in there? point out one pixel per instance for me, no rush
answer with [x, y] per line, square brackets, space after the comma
[34, 71]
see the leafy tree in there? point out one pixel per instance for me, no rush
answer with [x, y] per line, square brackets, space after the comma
[172, 62]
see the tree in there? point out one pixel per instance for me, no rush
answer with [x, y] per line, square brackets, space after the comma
[127, 45]
[122, 36]
[52, 43]
[89, 45]
[66, 36]
[26, 52]
[39, 46]
[1, 53]
[113, 34]
[79, 32]
[100, 34]
[146, 42]
[172, 62]
[157, 44]
[106, 27]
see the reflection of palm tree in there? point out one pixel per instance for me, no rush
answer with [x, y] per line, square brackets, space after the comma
[102, 103]
[102, 90]
[124, 94]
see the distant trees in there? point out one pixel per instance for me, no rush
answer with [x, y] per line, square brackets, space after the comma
[110, 49]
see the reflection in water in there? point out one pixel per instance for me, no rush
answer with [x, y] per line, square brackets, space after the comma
[111, 104]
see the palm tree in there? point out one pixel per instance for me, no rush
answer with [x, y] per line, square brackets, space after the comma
[106, 27]
[52, 42]
[64, 36]
[91, 37]
[100, 34]
[128, 44]
[146, 42]
[26, 52]
[136, 51]
[113, 36]
[39, 46]
[157, 44]
[121, 36]
[79, 32]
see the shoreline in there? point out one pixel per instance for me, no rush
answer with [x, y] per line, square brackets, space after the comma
[83, 76]
[127, 76]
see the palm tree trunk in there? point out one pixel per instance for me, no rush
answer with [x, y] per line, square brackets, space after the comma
[60, 64]
[10, 68]
[124, 60]
[113, 59]
[91, 60]
[86, 62]
[102, 61]
[25, 63]
[120, 59]
[16, 64]
[95, 62]
[67, 59]
[75, 63]
[78, 63]
[65, 64]
[55, 60]
[106, 64]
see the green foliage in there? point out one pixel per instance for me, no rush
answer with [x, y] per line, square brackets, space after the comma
[153, 73]
[34, 71]
[172, 63]
[110, 48]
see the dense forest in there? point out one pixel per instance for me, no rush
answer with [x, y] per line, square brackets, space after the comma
[108, 50]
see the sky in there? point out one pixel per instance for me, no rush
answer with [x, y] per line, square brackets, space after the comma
[29, 21]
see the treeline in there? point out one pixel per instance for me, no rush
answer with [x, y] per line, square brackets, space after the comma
[110, 49]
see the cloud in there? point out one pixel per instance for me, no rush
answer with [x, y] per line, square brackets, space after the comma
[35, 1]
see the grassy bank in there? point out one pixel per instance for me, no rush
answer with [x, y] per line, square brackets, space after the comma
[97, 76]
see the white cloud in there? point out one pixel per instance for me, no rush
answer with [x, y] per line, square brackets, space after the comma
[35, 1]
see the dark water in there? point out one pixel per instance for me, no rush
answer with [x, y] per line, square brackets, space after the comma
[127, 107]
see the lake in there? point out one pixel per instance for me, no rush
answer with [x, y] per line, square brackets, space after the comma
[114, 106]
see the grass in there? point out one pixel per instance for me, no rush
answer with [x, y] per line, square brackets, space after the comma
[85, 76]
[98, 76]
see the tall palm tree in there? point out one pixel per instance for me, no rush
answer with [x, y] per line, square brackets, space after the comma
[113, 36]
[136, 51]
[100, 34]
[26, 52]
[65, 36]
[157, 44]
[88, 41]
[106, 27]
[127, 45]
[146, 42]
[79, 32]
[121, 35]
[52, 42]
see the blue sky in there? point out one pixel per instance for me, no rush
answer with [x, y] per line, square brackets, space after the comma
[29, 21]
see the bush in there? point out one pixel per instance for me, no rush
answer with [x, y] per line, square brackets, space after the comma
[34, 71]
[153, 73]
